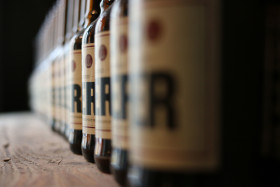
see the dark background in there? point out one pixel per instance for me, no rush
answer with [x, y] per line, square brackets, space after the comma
[243, 49]
[19, 24]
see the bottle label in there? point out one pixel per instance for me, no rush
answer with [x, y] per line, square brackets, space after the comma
[53, 89]
[62, 91]
[76, 90]
[174, 85]
[48, 91]
[88, 79]
[57, 93]
[102, 85]
[119, 79]
[67, 82]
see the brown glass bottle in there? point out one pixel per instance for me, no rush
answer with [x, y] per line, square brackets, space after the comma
[54, 56]
[175, 112]
[103, 147]
[63, 11]
[119, 94]
[68, 36]
[53, 86]
[88, 142]
[60, 29]
[75, 132]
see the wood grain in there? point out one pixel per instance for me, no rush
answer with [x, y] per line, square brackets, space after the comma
[32, 155]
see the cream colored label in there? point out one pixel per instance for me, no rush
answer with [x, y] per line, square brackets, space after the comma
[88, 79]
[68, 82]
[75, 117]
[102, 85]
[62, 90]
[57, 93]
[119, 92]
[48, 92]
[174, 85]
[53, 90]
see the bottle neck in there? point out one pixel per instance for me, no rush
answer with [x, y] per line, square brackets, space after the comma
[77, 5]
[82, 13]
[92, 11]
[69, 19]
[105, 4]
[63, 10]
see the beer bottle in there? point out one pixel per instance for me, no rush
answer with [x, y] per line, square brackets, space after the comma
[59, 67]
[119, 85]
[68, 66]
[88, 91]
[58, 58]
[102, 88]
[174, 87]
[62, 32]
[55, 58]
[75, 134]
[53, 74]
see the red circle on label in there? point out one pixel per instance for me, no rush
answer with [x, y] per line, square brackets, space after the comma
[88, 61]
[73, 65]
[123, 43]
[154, 30]
[102, 52]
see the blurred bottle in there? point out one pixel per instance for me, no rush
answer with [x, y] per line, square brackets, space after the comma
[102, 88]
[59, 67]
[119, 88]
[75, 134]
[174, 74]
[62, 40]
[68, 36]
[88, 80]
[55, 59]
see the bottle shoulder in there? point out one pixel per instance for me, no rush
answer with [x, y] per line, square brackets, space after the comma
[76, 41]
[103, 22]
[88, 36]
[119, 9]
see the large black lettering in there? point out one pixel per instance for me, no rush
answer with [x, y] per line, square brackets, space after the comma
[65, 96]
[76, 93]
[121, 97]
[53, 96]
[59, 96]
[104, 96]
[162, 99]
[90, 98]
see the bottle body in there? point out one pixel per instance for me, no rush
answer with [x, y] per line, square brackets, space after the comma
[75, 132]
[67, 87]
[88, 79]
[174, 112]
[53, 87]
[119, 91]
[62, 94]
[102, 90]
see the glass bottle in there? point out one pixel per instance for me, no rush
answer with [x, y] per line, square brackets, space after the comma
[68, 36]
[75, 133]
[174, 73]
[60, 67]
[54, 58]
[102, 88]
[58, 58]
[63, 5]
[119, 91]
[88, 142]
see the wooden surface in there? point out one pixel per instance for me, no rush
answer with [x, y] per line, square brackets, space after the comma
[32, 155]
